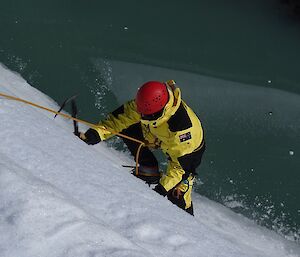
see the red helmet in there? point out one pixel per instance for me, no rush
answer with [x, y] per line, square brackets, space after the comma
[151, 97]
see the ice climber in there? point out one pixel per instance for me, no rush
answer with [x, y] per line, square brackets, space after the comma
[161, 118]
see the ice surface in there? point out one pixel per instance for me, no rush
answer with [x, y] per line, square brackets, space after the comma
[61, 197]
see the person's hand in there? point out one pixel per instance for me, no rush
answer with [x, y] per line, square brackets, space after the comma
[180, 189]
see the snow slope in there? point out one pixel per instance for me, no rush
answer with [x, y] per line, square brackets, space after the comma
[61, 197]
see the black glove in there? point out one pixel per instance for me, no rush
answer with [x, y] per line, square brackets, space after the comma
[91, 136]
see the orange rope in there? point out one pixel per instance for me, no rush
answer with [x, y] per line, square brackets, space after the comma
[137, 160]
[92, 125]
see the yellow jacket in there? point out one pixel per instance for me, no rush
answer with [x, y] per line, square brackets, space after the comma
[177, 132]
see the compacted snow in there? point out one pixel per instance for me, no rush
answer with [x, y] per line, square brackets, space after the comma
[61, 197]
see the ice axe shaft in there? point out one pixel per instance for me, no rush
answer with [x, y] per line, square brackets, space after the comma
[74, 115]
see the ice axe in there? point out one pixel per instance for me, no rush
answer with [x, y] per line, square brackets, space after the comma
[74, 115]
[74, 112]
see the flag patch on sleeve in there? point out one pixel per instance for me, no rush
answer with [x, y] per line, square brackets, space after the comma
[185, 137]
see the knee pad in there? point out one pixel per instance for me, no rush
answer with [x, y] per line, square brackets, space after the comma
[149, 174]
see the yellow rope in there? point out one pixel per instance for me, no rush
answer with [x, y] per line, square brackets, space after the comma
[92, 125]
[137, 160]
